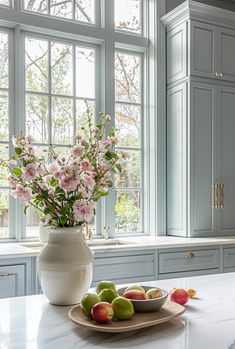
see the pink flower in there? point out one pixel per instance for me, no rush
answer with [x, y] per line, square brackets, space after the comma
[83, 211]
[69, 182]
[22, 193]
[53, 167]
[58, 174]
[77, 151]
[89, 182]
[86, 166]
[41, 170]
[12, 182]
[30, 171]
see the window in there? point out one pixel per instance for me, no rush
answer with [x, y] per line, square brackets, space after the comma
[78, 10]
[5, 2]
[55, 75]
[4, 132]
[128, 98]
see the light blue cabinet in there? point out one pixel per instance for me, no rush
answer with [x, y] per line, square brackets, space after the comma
[200, 122]
[16, 277]
[192, 261]
[124, 267]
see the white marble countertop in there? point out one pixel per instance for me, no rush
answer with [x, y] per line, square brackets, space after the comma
[209, 322]
[12, 250]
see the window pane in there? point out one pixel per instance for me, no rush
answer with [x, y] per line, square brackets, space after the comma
[4, 154]
[3, 60]
[36, 5]
[128, 125]
[32, 223]
[37, 117]
[61, 69]
[5, 2]
[85, 72]
[81, 116]
[131, 171]
[127, 15]
[61, 8]
[127, 78]
[4, 205]
[62, 121]
[85, 11]
[36, 61]
[4, 135]
[127, 211]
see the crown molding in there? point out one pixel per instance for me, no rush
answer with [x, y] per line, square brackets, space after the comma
[194, 10]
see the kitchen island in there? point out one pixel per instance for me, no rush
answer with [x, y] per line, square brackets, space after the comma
[209, 321]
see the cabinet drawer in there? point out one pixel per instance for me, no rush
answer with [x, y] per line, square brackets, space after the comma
[188, 260]
[12, 281]
[123, 267]
[229, 257]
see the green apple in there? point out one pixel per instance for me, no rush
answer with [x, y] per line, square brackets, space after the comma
[107, 295]
[135, 287]
[123, 308]
[88, 301]
[105, 284]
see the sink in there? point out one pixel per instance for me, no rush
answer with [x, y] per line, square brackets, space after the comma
[93, 243]
[103, 242]
[33, 245]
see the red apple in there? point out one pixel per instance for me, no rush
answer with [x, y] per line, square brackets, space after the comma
[179, 295]
[102, 312]
[135, 294]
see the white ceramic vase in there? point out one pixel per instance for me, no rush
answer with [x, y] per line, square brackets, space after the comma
[65, 266]
[43, 232]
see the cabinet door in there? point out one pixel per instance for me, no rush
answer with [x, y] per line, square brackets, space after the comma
[176, 160]
[203, 51]
[226, 53]
[12, 281]
[202, 165]
[177, 53]
[226, 158]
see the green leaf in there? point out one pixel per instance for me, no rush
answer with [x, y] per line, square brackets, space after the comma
[112, 132]
[25, 208]
[17, 171]
[108, 155]
[24, 162]
[18, 151]
[119, 167]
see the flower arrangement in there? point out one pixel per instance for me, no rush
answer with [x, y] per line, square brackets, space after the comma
[65, 190]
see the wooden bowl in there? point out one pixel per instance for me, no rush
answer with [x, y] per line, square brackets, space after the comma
[146, 305]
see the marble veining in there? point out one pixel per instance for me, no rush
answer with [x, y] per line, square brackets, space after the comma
[209, 321]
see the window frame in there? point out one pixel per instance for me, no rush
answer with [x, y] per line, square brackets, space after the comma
[108, 39]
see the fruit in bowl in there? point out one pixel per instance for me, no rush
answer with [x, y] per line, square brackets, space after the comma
[154, 293]
[102, 312]
[157, 297]
[134, 294]
[135, 287]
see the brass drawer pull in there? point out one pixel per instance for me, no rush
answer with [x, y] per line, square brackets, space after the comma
[190, 255]
[221, 195]
[6, 274]
[216, 187]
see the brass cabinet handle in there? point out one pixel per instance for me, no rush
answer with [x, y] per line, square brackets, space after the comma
[221, 186]
[190, 255]
[6, 274]
[216, 187]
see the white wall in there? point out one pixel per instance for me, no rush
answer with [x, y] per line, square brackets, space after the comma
[227, 4]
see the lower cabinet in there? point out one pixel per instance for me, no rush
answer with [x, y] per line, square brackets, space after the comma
[229, 259]
[15, 277]
[188, 262]
[124, 267]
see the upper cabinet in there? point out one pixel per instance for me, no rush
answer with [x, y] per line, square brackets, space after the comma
[200, 42]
